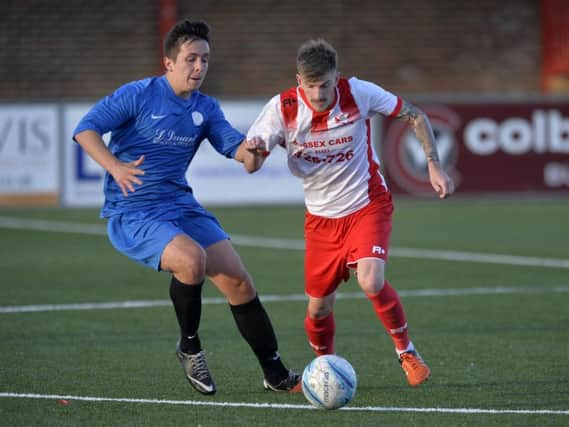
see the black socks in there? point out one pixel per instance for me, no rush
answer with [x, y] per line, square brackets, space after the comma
[251, 319]
[256, 328]
[187, 300]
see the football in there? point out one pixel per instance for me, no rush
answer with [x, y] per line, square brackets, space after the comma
[329, 382]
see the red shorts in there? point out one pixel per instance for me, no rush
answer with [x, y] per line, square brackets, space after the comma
[333, 245]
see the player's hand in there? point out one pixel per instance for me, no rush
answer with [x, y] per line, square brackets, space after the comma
[256, 146]
[441, 182]
[126, 175]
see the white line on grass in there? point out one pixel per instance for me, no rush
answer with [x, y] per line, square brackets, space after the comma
[53, 226]
[484, 258]
[281, 298]
[277, 243]
[285, 406]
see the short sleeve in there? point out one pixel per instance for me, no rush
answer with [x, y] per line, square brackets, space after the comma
[112, 111]
[374, 98]
[269, 125]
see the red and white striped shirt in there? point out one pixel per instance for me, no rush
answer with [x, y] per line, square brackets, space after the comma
[330, 150]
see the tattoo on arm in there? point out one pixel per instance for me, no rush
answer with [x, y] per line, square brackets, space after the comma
[422, 128]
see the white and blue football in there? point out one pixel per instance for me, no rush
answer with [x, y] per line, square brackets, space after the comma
[329, 382]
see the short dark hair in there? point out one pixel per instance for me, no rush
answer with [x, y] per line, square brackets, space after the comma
[316, 58]
[184, 30]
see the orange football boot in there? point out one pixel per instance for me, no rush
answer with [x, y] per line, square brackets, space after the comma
[415, 368]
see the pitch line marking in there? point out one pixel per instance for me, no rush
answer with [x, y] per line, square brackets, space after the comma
[284, 406]
[500, 290]
[294, 244]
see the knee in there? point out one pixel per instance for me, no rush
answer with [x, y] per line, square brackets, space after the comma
[318, 311]
[197, 262]
[238, 289]
[244, 288]
[192, 265]
[371, 284]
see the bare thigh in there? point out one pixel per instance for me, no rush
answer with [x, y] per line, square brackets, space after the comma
[227, 272]
[185, 259]
[370, 274]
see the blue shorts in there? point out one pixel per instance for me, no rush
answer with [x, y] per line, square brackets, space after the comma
[145, 240]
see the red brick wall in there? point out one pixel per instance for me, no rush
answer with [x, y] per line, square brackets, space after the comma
[85, 49]
[74, 49]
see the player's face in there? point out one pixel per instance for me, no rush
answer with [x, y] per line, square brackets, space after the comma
[187, 72]
[320, 92]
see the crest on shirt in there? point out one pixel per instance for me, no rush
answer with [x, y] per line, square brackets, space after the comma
[197, 118]
[342, 117]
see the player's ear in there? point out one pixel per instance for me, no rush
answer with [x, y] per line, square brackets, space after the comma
[298, 79]
[168, 63]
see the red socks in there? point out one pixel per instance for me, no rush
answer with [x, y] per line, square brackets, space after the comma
[389, 310]
[320, 333]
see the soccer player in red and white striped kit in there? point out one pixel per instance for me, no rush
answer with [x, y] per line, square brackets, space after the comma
[324, 126]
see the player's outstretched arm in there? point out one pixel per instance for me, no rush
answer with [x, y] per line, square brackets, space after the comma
[125, 174]
[441, 182]
[252, 153]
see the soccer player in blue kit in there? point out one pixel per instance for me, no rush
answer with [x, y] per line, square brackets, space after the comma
[157, 125]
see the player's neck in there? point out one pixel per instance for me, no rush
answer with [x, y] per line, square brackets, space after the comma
[181, 92]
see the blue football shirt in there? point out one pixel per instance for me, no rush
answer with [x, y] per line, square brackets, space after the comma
[147, 117]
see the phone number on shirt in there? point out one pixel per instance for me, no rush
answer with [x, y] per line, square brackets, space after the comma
[330, 158]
